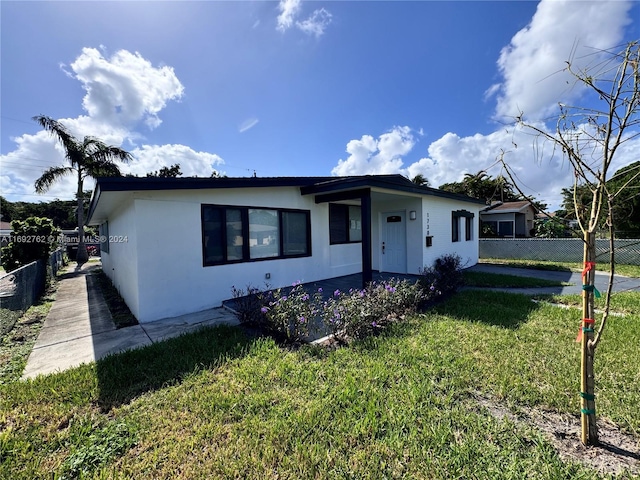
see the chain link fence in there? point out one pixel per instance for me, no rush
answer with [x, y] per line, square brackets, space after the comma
[627, 251]
[22, 288]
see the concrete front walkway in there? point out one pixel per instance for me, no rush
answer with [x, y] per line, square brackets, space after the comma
[79, 329]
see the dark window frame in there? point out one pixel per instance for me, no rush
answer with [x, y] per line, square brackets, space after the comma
[455, 223]
[346, 228]
[244, 218]
[104, 235]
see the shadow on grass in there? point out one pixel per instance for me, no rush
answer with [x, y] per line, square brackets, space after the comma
[506, 310]
[124, 376]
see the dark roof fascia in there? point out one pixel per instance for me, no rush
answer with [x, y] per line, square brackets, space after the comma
[127, 184]
[121, 184]
[391, 182]
[308, 185]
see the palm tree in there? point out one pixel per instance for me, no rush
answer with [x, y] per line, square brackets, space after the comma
[89, 157]
[420, 179]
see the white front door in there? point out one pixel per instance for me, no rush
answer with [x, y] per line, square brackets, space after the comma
[393, 251]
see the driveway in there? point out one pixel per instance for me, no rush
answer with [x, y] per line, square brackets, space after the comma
[620, 283]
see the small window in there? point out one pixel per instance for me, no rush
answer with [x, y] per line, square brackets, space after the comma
[468, 226]
[455, 224]
[345, 223]
[455, 228]
[104, 237]
[505, 229]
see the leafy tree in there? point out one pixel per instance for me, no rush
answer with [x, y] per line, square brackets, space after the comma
[482, 186]
[626, 208]
[32, 239]
[167, 172]
[590, 139]
[89, 157]
[549, 228]
[61, 212]
[420, 179]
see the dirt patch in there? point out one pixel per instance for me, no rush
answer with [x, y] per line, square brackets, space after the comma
[617, 453]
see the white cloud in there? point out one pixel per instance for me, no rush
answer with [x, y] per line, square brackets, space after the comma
[149, 158]
[529, 68]
[126, 88]
[248, 124]
[122, 92]
[316, 23]
[368, 156]
[533, 62]
[289, 10]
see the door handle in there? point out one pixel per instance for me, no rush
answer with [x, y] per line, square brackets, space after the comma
[383, 248]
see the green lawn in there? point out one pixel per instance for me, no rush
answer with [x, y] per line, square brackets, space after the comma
[219, 404]
[626, 270]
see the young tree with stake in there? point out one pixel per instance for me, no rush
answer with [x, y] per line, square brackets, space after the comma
[590, 139]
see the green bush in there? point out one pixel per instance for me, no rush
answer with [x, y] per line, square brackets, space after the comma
[293, 312]
[360, 313]
[32, 239]
[444, 277]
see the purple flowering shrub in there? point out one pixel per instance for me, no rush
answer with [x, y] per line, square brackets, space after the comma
[359, 313]
[292, 312]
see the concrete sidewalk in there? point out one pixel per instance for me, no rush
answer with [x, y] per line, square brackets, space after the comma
[79, 328]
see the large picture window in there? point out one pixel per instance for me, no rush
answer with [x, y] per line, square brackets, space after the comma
[233, 234]
[345, 223]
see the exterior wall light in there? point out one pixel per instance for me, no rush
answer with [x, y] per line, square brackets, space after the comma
[412, 215]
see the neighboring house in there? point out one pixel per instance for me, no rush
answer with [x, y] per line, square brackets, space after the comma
[508, 219]
[178, 245]
[5, 234]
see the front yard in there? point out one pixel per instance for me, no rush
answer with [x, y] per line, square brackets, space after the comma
[417, 401]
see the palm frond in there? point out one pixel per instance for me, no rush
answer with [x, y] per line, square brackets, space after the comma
[49, 177]
[58, 130]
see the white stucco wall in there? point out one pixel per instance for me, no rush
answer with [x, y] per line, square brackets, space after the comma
[436, 218]
[120, 263]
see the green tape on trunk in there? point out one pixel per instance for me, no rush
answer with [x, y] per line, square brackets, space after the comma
[587, 396]
[588, 412]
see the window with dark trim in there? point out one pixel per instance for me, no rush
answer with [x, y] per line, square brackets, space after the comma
[455, 224]
[233, 234]
[345, 223]
[104, 237]
[468, 228]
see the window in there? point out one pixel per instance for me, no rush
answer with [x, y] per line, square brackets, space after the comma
[468, 225]
[455, 228]
[241, 234]
[505, 228]
[104, 237]
[455, 224]
[345, 223]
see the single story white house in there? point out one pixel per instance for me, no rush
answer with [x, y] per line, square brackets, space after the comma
[509, 219]
[177, 245]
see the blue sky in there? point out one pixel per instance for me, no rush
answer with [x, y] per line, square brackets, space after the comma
[297, 87]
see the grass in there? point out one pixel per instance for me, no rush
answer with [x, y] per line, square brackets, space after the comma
[481, 279]
[218, 404]
[625, 270]
[17, 342]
